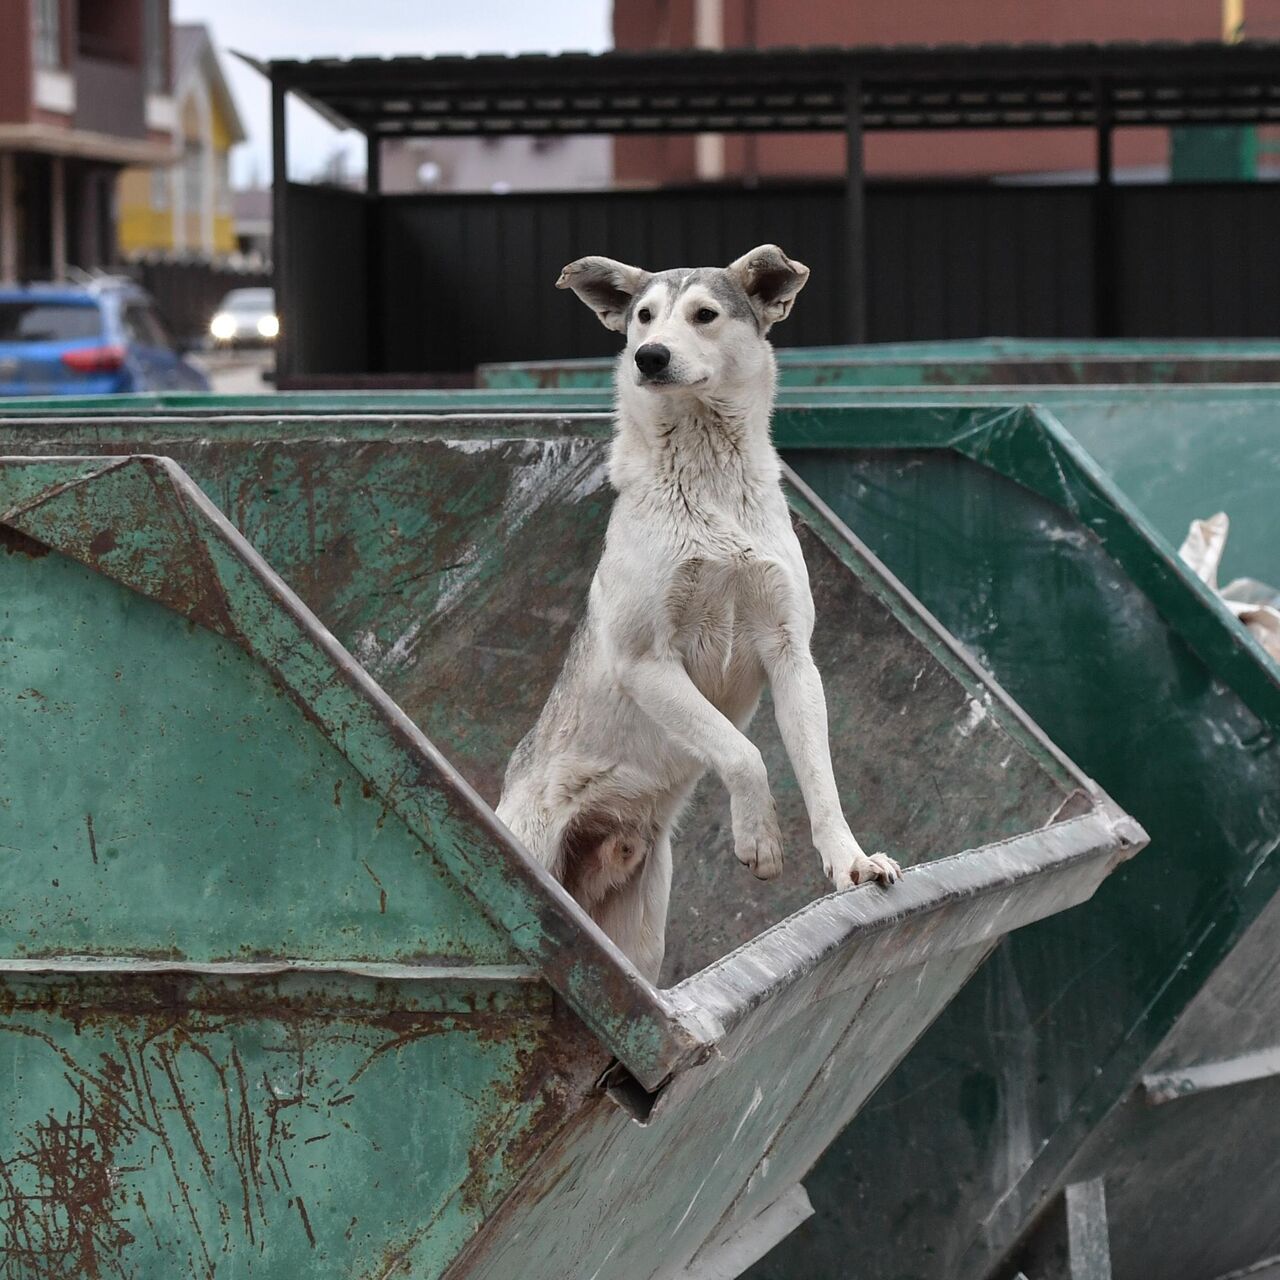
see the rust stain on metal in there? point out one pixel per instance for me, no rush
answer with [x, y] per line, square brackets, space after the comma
[337, 796]
[382, 893]
[16, 543]
[306, 1222]
[103, 542]
[394, 1261]
[65, 1197]
[555, 1076]
[62, 1208]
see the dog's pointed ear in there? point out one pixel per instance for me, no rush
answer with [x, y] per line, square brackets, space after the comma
[770, 280]
[606, 286]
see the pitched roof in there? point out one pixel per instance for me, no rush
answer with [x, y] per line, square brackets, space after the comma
[193, 53]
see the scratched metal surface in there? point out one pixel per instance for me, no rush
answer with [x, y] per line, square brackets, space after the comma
[109, 687]
[467, 1090]
[408, 559]
[1030, 1078]
[317, 1126]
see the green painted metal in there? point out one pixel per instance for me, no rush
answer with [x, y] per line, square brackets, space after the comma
[1179, 452]
[280, 996]
[1031, 1080]
[990, 361]
[1213, 153]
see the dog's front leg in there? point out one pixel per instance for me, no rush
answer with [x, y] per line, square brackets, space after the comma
[801, 711]
[662, 689]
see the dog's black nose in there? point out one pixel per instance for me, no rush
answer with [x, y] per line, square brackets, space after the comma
[652, 358]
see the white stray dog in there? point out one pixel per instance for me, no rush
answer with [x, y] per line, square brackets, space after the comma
[700, 596]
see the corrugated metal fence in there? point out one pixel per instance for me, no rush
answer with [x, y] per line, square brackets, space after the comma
[428, 284]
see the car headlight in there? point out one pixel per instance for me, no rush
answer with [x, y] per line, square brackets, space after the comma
[223, 326]
[269, 326]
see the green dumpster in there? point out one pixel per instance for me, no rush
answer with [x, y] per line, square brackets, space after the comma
[280, 997]
[1016, 567]
[992, 361]
[1179, 452]
[1111, 1076]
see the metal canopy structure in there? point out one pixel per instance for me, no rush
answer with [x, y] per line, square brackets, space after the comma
[791, 90]
[850, 90]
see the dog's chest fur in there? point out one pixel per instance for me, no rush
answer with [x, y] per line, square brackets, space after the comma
[708, 501]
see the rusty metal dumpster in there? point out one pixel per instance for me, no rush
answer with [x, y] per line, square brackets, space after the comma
[992, 361]
[1117, 1067]
[1177, 451]
[280, 997]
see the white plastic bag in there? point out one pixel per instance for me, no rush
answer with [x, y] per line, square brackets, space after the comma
[1256, 605]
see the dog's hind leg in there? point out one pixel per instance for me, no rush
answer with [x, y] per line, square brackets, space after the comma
[535, 827]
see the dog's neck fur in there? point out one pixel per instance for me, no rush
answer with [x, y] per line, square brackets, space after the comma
[715, 449]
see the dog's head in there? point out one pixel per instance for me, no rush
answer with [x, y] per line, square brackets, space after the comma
[694, 330]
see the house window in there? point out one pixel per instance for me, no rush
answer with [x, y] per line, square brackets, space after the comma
[156, 40]
[193, 176]
[159, 187]
[48, 34]
[222, 177]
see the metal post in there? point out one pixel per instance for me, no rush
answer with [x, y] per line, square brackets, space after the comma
[1106, 263]
[58, 215]
[279, 233]
[8, 218]
[375, 362]
[855, 215]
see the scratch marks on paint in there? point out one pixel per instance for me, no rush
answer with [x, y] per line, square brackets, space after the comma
[167, 1141]
[539, 474]
[382, 893]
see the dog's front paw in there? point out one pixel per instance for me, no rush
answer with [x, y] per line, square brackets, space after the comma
[853, 869]
[757, 842]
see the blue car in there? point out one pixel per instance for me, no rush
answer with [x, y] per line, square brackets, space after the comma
[96, 339]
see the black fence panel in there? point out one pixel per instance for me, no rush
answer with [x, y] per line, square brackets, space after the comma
[975, 261]
[470, 278]
[1199, 261]
[324, 302]
[462, 279]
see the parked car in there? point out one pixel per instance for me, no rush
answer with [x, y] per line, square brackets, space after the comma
[91, 339]
[246, 318]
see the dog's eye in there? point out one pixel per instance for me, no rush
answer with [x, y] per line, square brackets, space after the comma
[644, 315]
[705, 315]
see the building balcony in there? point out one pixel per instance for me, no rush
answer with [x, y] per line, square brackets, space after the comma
[110, 97]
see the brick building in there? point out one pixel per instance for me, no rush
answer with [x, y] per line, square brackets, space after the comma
[682, 24]
[85, 89]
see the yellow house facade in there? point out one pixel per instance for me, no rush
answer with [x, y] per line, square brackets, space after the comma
[186, 207]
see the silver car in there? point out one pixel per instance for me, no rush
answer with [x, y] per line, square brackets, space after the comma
[245, 318]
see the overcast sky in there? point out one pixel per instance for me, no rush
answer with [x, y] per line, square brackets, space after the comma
[323, 28]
